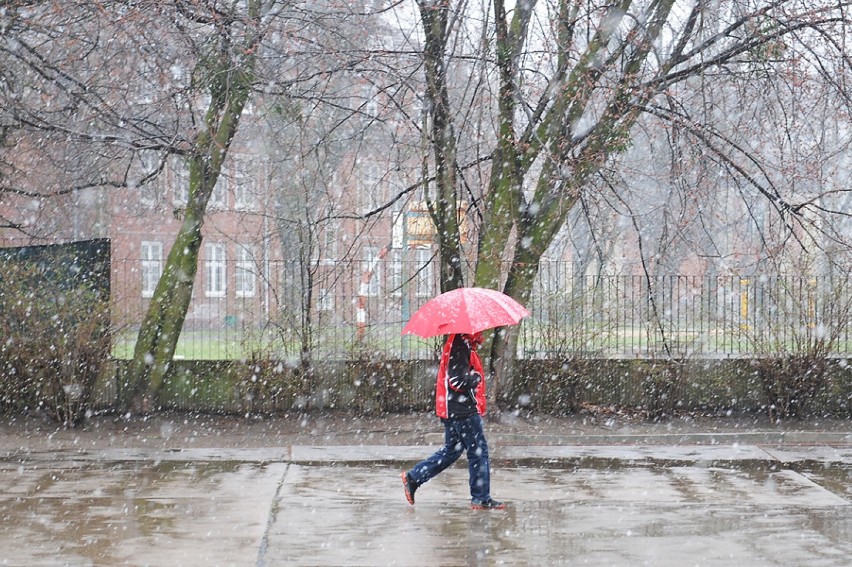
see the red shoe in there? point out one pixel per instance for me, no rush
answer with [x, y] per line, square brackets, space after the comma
[488, 505]
[409, 487]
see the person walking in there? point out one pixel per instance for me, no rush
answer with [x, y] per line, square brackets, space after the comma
[460, 404]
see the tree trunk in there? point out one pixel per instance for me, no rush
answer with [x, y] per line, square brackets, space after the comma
[228, 81]
[444, 208]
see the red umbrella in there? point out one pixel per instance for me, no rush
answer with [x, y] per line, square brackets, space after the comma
[464, 310]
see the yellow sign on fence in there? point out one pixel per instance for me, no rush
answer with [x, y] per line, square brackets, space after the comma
[420, 228]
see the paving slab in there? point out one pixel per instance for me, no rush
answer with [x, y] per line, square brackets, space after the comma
[817, 453]
[132, 513]
[637, 453]
[343, 505]
[623, 516]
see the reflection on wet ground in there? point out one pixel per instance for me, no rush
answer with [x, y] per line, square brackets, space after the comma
[836, 478]
[133, 513]
[67, 512]
[609, 516]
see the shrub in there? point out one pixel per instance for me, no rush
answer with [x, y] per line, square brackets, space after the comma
[792, 383]
[55, 344]
[550, 385]
[662, 385]
[267, 385]
[799, 322]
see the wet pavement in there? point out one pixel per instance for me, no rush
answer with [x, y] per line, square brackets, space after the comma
[654, 500]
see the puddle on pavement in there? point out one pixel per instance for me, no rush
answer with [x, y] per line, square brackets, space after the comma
[609, 515]
[836, 478]
[114, 513]
[86, 513]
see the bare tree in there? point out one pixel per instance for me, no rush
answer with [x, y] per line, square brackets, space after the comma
[570, 82]
[113, 80]
[303, 210]
[552, 95]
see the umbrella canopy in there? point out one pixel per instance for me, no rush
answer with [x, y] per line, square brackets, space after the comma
[464, 310]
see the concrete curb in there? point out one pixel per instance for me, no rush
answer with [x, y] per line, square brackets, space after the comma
[704, 438]
[505, 455]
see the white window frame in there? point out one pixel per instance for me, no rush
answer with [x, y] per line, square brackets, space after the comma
[215, 271]
[329, 243]
[372, 193]
[371, 287]
[325, 302]
[151, 266]
[149, 193]
[398, 218]
[180, 182]
[219, 195]
[245, 183]
[395, 275]
[424, 272]
[372, 107]
[245, 277]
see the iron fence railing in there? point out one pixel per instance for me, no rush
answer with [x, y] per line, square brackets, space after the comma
[344, 311]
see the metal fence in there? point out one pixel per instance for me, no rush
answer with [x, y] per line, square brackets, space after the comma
[344, 311]
[686, 316]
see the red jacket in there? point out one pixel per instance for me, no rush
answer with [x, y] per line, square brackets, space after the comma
[443, 382]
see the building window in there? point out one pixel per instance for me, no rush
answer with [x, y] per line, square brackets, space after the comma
[424, 272]
[326, 300]
[214, 271]
[329, 242]
[244, 273]
[245, 184]
[149, 191]
[395, 275]
[373, 189]
[371, 272]
[180, 182]
[397, 226]
[152, 267]
[219, 196]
